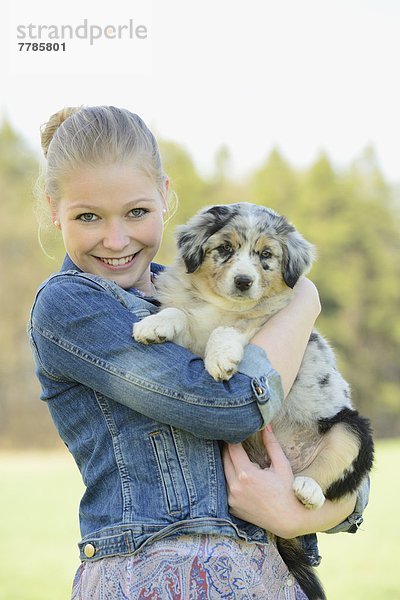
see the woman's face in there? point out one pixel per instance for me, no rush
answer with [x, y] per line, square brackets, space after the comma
[111, 218]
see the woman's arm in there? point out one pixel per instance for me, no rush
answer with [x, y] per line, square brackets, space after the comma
[81, 333]
[285, 336]
[265, 496]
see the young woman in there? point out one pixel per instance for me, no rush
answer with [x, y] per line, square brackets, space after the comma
[143, 423]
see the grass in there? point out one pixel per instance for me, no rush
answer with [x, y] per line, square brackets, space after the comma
[365, 566]
[38, 526]
[39, 531]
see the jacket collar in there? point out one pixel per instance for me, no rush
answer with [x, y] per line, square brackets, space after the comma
[68, 265]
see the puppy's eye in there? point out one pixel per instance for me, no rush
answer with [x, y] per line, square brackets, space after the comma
[225, 248]
[265, 253]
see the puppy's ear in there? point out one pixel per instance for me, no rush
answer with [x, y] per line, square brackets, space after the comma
[192, 237]
[298, 255]
[190, 247]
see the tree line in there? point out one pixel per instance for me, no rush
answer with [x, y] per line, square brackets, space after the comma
[352, 215]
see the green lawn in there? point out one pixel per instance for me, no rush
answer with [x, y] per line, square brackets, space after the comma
[39, 530]
[366, 565]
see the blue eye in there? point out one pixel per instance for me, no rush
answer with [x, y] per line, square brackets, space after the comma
[87, 217]
[138, 212]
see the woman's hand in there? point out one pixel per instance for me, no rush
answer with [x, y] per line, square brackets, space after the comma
[265, 496]
[261, 496]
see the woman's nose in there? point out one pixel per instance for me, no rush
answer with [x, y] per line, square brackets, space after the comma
[116, 237]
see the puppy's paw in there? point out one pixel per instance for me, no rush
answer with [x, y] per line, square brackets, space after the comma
[221, 368]
[223, 353]
[161, 327]
[308, 491]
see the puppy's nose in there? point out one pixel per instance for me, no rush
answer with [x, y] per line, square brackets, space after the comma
[243, 282]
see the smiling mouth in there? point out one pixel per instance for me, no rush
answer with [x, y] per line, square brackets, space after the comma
[117, 262]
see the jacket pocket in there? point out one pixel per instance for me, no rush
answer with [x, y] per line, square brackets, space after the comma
[169, 474]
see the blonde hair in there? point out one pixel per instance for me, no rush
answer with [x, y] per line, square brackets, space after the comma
[77, 137]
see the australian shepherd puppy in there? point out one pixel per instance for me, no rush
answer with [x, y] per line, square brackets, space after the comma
[236, 267]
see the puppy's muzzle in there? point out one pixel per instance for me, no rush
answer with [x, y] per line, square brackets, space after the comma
[243, 282]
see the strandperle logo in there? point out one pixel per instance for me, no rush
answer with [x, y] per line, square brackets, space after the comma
[84, 31]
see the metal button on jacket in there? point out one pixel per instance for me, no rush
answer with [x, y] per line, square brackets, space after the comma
[89, 550]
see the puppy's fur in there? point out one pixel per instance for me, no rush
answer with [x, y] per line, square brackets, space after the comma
[236, 267]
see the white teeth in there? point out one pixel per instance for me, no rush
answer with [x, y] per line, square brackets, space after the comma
[115, 262]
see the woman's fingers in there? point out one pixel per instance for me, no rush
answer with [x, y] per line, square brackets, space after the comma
[238, 464]
[241, 473]
[274, 449]
[229, 467]
[239, 458]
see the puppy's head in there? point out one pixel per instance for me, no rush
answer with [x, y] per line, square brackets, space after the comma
[243, 252]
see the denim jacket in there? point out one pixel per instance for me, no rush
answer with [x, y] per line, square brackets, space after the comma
[143, 423]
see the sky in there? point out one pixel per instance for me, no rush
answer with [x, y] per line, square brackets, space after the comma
[304, 76]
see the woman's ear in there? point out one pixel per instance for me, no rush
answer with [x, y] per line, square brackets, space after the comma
[54, 212]
[165, 196]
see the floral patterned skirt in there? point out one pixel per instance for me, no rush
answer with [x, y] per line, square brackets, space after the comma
[190, 567]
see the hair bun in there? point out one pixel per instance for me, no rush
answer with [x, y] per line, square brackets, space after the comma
[47, 130]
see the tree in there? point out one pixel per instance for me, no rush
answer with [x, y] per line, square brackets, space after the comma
[23, 418]
[350, 215]
[275, 185]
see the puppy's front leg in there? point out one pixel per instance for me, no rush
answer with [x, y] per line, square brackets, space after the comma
[164, 326]
[224, 351]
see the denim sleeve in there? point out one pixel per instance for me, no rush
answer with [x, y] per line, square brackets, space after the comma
[353, 521]
[81, 333]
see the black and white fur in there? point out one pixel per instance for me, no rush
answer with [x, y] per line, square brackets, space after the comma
[236, 267]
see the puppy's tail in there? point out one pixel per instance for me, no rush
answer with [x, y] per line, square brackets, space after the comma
[295, 560]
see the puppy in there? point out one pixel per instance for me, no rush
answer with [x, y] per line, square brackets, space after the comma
[236, 267]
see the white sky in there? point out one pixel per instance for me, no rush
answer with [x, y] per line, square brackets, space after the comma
[304, 75]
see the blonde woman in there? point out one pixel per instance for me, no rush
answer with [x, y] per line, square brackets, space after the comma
[143, 423]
